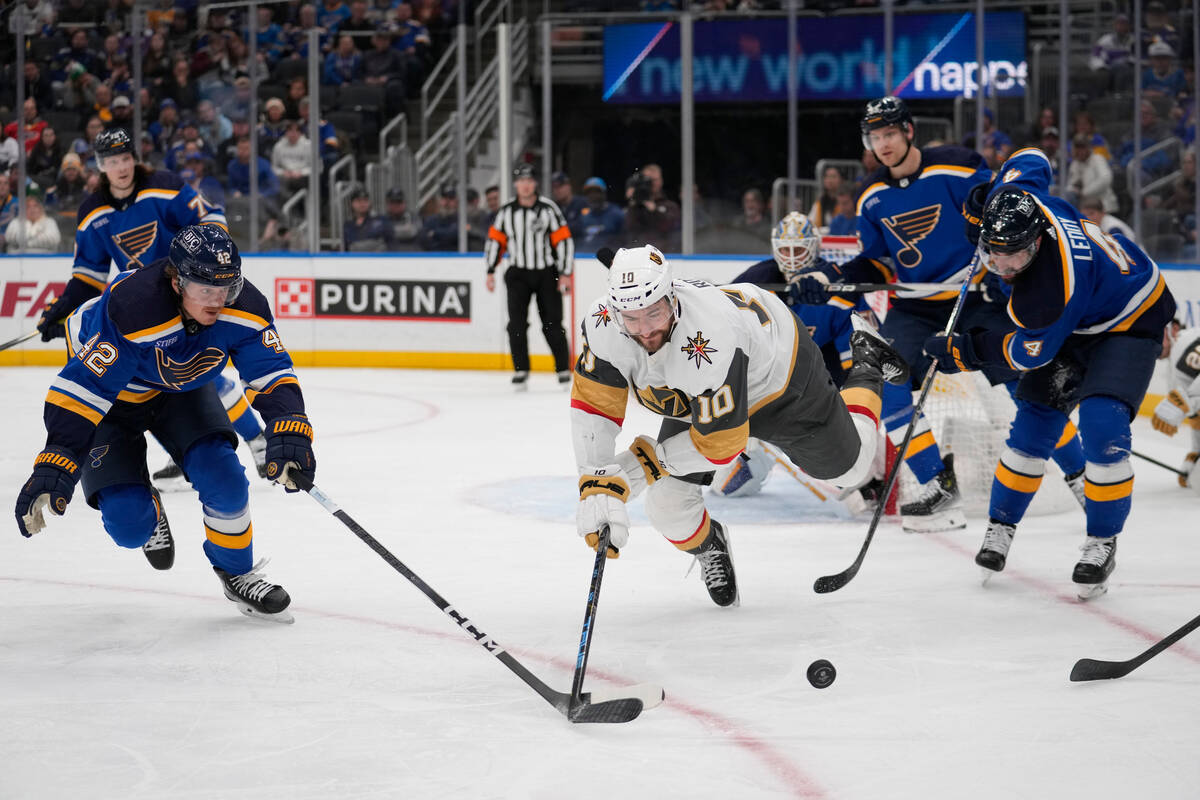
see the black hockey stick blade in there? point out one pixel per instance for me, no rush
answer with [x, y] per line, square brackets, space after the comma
[25, 337]
[630, 702]
[1090, 669]
[605, 256]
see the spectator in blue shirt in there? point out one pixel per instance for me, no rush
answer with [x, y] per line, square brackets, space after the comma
[843, 222]
[270, 35]
[600, 223]
[440, 231]
[268, 185]
[413, 42]
[1162, 78]
[364, 230]
[331, 147]
[344, 65]
[331, 13]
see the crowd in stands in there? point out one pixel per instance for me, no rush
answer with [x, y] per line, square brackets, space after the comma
[196, 89]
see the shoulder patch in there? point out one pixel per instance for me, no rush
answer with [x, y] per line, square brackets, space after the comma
[698, 348]
[602, 316]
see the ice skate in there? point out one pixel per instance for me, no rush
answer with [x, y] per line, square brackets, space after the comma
[159, 549]
[1095, 565]
[939, 508]
[868, 347]
[1075, 484]
[255, 596]
[170, 478]
[716, 567]
[258, 449]
[994, 553]
[520, 381]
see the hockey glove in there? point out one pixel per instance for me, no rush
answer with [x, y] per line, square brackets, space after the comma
[953, 353]
[55, 473]
[51, 324]
[603, 493]
[1169, 413]
[972, 210]
[289, 447]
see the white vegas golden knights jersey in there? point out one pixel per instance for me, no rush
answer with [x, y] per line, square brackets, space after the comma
[732, 351]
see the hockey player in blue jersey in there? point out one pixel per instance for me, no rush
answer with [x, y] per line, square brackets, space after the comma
[1090, 310]
[143, 357]
[129, 222]
[910, 228]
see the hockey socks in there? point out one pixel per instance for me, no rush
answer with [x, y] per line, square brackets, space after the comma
[923, 456]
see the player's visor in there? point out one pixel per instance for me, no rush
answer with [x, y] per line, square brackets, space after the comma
[208, 295]
[1007, 264]
[642, 321]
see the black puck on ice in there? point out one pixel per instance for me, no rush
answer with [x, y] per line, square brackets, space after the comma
[821, 673]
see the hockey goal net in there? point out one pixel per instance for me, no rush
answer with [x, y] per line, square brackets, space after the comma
[969, 418]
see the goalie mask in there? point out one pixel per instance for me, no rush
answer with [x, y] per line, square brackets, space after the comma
[639, 279]
[795, 244]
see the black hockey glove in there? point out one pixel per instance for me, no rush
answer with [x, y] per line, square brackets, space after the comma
[55, 473]
[289, 448]
[53, 316]
[953, 353]
[972, 210]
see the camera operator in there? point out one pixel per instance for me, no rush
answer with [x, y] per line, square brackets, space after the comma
[649, 216]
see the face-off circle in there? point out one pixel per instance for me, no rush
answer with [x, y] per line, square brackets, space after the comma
[821, 673]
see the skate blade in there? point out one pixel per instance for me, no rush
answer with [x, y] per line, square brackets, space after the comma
[282, 618]
[953, 520]
[1090, 591]
[987, 575]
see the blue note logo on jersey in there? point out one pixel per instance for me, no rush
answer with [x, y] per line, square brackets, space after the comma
[134, 243]
[910, 228]
[96, 454]
[175, 374]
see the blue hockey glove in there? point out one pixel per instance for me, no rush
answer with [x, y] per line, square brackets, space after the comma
[289, 448]
[55, 473]
[953, 353]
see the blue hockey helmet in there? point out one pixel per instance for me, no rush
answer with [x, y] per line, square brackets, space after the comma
[205, 256]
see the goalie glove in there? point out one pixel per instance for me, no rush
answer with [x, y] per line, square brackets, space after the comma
[603, 493]
[1169, 413]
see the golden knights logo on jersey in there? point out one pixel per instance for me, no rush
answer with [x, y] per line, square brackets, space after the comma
[698, 348]
[134, 243]
[664, 401]
[910, 228]
[174, 374]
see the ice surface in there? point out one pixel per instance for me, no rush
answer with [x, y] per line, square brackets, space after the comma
[117, 681]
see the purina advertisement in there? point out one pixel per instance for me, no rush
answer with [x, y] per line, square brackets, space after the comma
[839, 58]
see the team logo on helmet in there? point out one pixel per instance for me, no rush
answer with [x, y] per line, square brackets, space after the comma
[910, 228]
[698, 348]
[135, 242]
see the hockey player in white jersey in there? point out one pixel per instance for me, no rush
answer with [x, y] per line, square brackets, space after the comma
[1181, 406]
[720, 364]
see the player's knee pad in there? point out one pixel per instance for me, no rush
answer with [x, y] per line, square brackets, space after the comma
[1104, 428]
[129, 513]
[220, 480]
[675, 508]
[1035, 430]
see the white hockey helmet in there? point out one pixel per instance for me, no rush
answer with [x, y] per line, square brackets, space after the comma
[638, 278]
[795, 244]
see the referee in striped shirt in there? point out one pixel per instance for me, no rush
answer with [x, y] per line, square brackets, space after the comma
[541, 255]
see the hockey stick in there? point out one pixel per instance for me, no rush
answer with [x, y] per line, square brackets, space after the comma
[837, 288]
[781, 461]
[831, 583]
[1090, 669]
[22, 338]
[590, 707]
[1156, 462]
[578, 707]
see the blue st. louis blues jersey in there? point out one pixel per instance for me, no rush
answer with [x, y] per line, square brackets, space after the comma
[130, 344]
[135, 230]
[911, 229]
[1081, 281]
